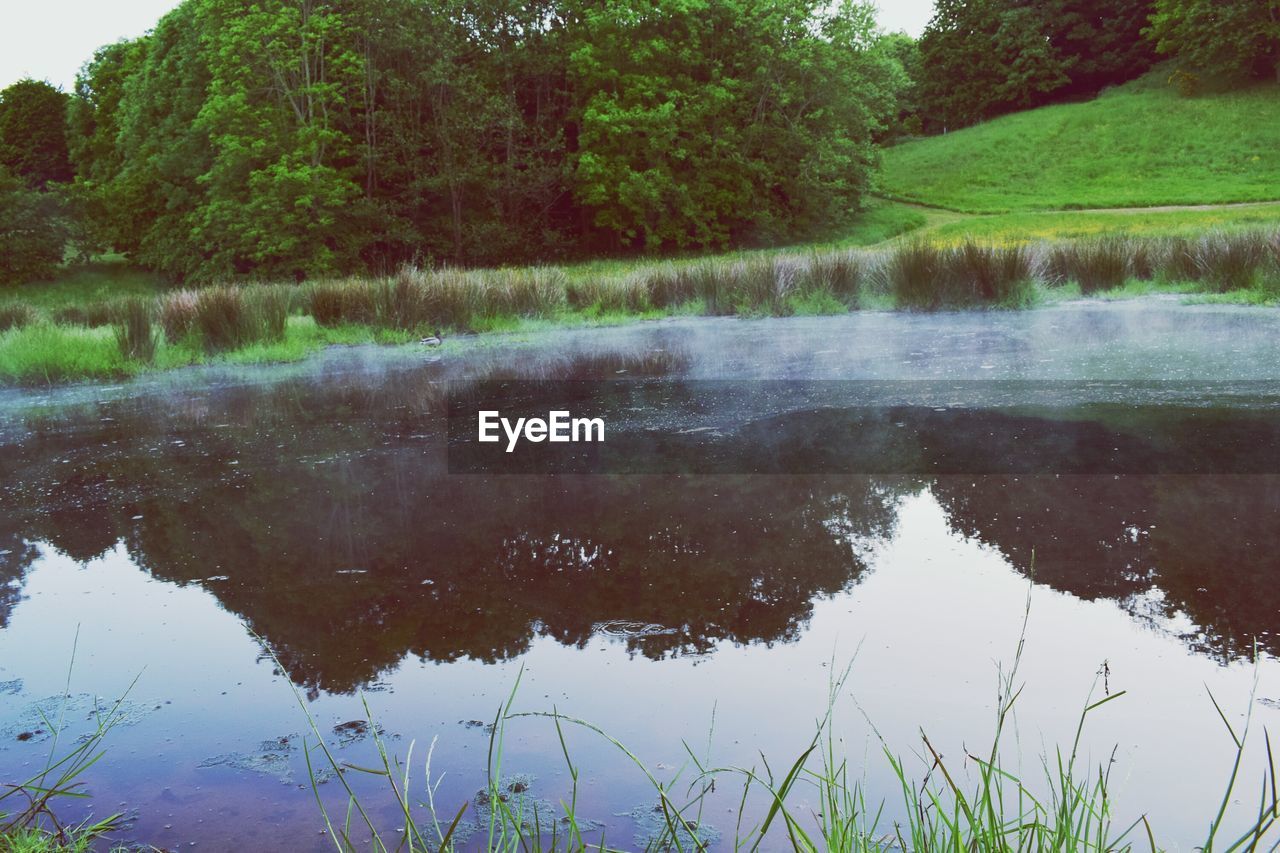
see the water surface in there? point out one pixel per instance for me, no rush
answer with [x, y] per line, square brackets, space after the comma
[891, 489]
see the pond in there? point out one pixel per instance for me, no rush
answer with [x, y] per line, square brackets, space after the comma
[908, 496]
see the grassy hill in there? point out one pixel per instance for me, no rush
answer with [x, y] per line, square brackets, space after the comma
[1138, 145]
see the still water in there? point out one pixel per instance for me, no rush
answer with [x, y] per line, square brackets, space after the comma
[784, 498]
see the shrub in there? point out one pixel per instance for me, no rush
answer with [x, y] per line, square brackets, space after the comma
[178, 314]
[32, 234]
[16, 315]
[134, 333]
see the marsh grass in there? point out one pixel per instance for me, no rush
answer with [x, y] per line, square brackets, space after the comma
[975, 803]
[17, 315]
[177, 314]
[134, 332]
[221, 318]
[923, 276]
[90, 316]
[252, 321]
[1095, 264]
[1232, 262]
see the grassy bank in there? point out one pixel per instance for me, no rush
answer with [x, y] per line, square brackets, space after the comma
[263, 323]
[1138, 145]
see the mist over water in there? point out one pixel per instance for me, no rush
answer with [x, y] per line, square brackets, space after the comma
[928, 474]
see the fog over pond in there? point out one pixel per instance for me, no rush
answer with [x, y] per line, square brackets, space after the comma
[894, 486]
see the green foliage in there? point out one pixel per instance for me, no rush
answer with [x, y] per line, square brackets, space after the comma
[32, 235]
[301, 139]
[1235, 39]
[981, 58]
[705, 122]
[1102, 42]
[1137, 145]
[33, 136]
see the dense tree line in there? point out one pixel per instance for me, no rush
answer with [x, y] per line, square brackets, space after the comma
[981, 58]
[297, 138]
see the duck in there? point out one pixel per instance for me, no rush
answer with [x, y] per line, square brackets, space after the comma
[432, 340]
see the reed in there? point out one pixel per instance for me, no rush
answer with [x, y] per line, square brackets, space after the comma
[134, 332]
[16, 315]
[178, 314]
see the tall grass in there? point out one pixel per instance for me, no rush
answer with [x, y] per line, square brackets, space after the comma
[1095, 264]
[914, 274]
[178, 313]
[135, 334]
[924, 276]
[17, 315]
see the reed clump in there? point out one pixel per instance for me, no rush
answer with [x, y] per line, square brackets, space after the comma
[178, 313]
[1232, 262]
[927, 277]
[223, 320]
[134, 331]
[16, 315]
[1094, 264]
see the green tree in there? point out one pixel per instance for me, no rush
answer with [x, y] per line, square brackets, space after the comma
[981, 58]
[706, 122]
[1237, 39]
[31, 232]
[157, 192]
[1101, 42]
[33, 137]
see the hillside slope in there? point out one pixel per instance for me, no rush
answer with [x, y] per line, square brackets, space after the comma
[1135, 146]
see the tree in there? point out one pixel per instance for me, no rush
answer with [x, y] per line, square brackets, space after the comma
[707, 122]
[31, 232]
[1235, 39]
[1101, 42]
[981, 58]
[33, 138]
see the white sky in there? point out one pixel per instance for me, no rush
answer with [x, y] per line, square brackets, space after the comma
[910, 16]
[51, 39]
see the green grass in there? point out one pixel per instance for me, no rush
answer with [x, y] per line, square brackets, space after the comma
[49, 354]
[104, 280]
[1138, 145]
[1071, 225]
